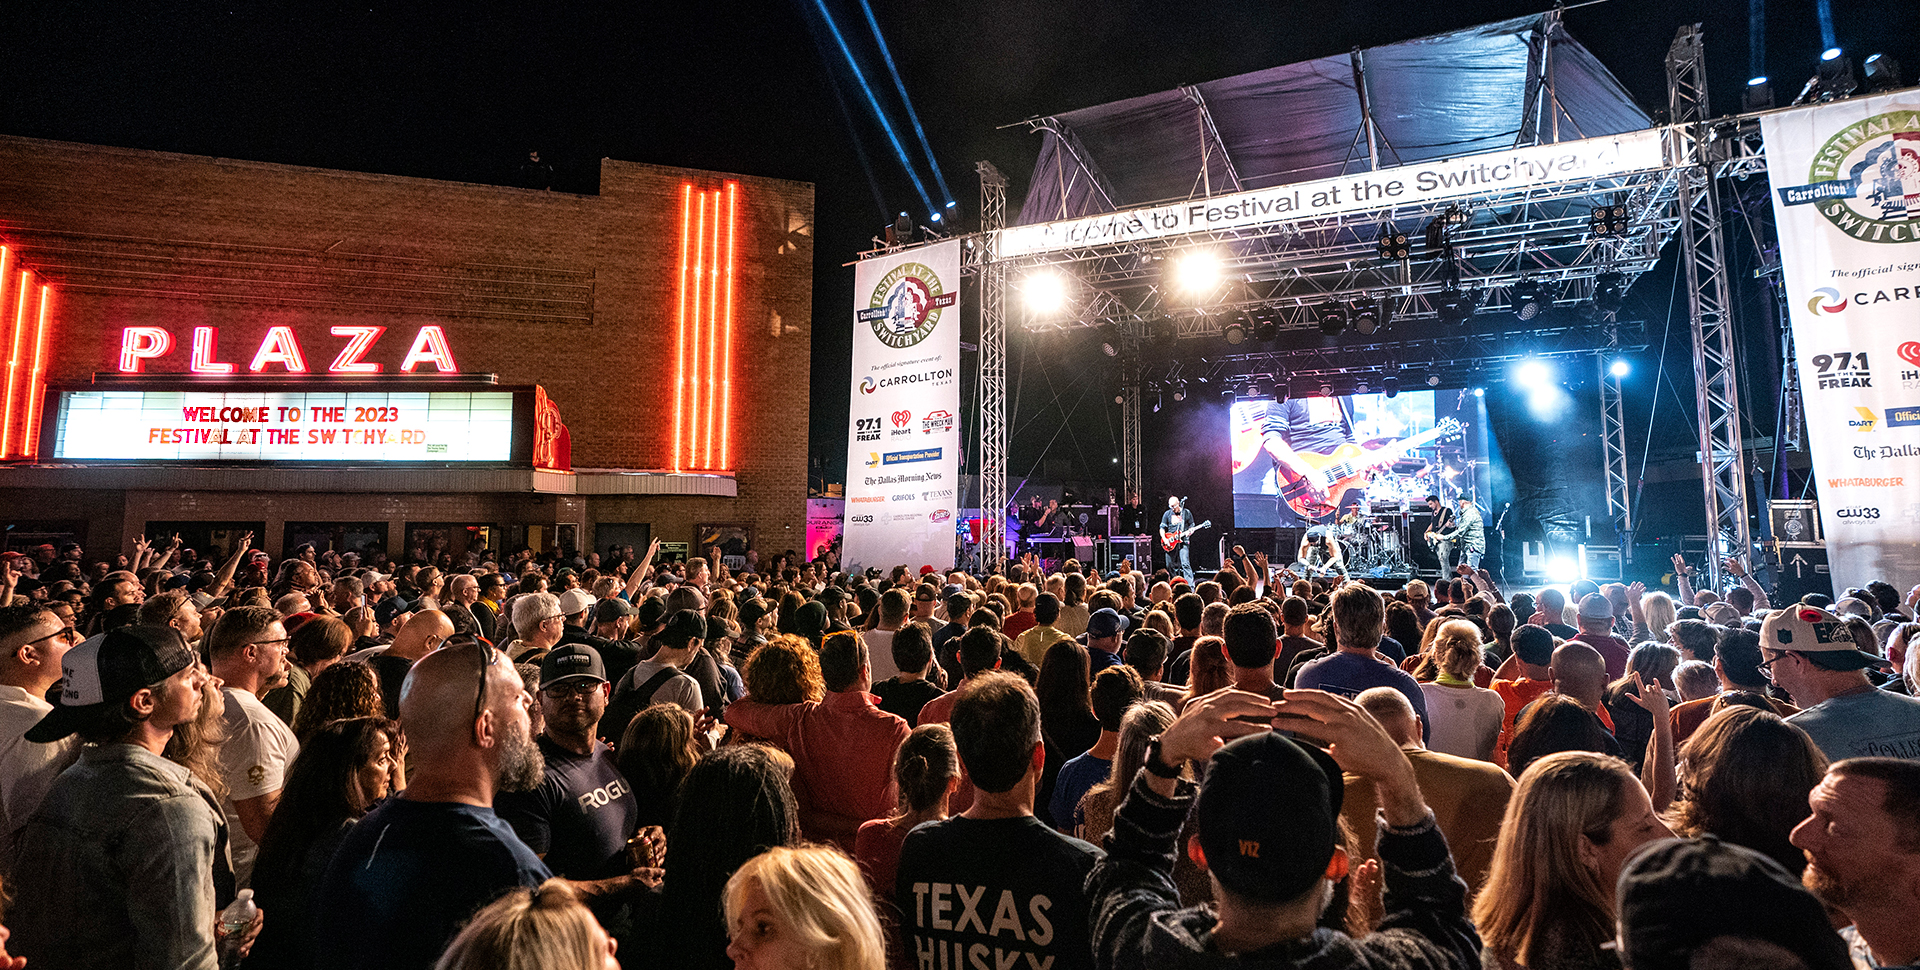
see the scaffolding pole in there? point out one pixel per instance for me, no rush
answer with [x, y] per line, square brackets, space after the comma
[1703, 256]
[992, 420]
[1613, 443]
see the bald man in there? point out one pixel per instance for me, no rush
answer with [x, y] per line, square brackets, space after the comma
[422, 634]
[416, 868]
[1468, 797]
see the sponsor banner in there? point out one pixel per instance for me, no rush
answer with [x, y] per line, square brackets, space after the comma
[1406, 185]
[824, 517]
[1846, 181]
[903, 443]
[370, 426]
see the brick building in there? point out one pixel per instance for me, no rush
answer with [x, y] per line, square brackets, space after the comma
[667, 318]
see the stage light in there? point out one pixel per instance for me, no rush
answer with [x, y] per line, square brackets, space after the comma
[1479, 392]
[1528, 298]
[1608, 220]
[1390, 386]
[1197, 272]
[1332, 318]
[1830, 54]
[1759, 94]
[1370, 316]
[1433, 380]
[1156, 402]
[1833, 80]
[1282, 390]
[1326, 390]
[1620, 367]
[1393, 243]
[1883, 73]
[1265, 327]
[1255, 388]
[1362, 387]
[1179, 392]
[1045, 292]
[1119, 399]
[1236, 331]
[1563, 570]
[1107, 347]
[1455, 305]
[903, 226]
[1533, 374]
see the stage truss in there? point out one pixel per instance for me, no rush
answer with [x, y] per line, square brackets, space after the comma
[1281, 275]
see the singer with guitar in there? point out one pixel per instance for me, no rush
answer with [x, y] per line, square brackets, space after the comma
[1175, 526]
[1442, 520]
[1467, 534]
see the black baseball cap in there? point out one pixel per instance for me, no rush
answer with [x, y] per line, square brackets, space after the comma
[752, 611]
[571, 661]
[107, 670]
[1678, 895]
[650, 611]
[682, 626]
[611, 609]
[1269, 816]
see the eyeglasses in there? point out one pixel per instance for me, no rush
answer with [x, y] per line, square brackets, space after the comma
[1766, 666]
[269, 643]
[580, 688]
[69, 634]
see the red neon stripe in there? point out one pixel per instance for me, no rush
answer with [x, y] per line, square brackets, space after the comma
[17, 332]
[36, 385]
[699, 283]
[680, 368]
[726, 340]
[713, 330]
[6, 255]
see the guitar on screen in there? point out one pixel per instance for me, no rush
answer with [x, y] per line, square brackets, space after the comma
[1348, 467]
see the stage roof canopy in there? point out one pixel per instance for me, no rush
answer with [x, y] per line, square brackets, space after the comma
[1474, 90]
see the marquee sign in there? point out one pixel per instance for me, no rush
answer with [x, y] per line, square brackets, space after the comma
[303, 426]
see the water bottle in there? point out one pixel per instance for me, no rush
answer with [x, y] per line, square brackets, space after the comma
[234, 922]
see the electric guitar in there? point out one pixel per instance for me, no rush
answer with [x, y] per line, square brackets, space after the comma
[1169, 541]
[1347, 467]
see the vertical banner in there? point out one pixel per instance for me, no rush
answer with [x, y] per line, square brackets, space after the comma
[903, 449]
[1846, 183]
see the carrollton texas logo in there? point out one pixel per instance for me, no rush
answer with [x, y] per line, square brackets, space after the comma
[866, 385]
[1866, 180]
[906, 305]
[1828, 299]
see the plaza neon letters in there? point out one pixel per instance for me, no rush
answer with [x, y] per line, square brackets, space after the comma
[280, 348]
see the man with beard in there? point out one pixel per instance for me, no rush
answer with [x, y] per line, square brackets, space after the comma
[249, 649]
[1863, 855]
[416, 868]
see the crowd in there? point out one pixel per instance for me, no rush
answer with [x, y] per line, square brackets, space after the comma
[614, 762]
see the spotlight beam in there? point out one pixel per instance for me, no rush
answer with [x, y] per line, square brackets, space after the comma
[913, 117]
[886, 123]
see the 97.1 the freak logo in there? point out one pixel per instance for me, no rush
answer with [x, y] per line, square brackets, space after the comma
[906, 305]
[1841, 369]
[1866, 179]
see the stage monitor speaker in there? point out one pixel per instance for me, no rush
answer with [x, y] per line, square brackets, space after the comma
[1803, 570]
[1083, 550]
[1794, 520]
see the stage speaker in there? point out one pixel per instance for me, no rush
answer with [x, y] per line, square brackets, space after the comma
[1803, 570]
[1286, 545]
[1083, 550]
[1795, 520]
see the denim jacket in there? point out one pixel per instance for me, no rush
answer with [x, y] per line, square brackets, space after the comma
[121, 866]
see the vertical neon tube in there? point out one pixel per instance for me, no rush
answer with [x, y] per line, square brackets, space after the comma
[713, 330]
[14, 339]
[36, 381]
[6, 334]
[726, 339]
[694, 388]
[680, 367]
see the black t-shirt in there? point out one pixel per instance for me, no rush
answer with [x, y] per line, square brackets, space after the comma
[579, 817]
[1011, 887]
[904, 699]
[392, 672]
[409, 876]
[946, 650]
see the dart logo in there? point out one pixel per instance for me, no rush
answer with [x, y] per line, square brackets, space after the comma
[1821, 296]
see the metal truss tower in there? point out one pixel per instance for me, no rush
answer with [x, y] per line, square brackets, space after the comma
[1613, 444]
[1703, 257]
[1130, 391]
[992, 420]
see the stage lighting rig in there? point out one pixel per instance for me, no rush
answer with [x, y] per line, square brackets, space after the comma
[1832, 81]
[1393, 244]
[1433, 380]
[1180, 390]
[1609, 293]
[1529, 298]
[1236, 329]
[1255, 389]
[1326, 390]
[1109, 348]
[1045, 291]
[1758, 96]
[1390, 386]
[1620, 367]
[1198, 272]
[1883, 73]
[1608, 220]
[1455, 305]
[1363, 387]
[1265, 327]
[1369, 316]
[1332, 318]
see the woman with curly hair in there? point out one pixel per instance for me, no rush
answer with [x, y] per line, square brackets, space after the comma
[784, 670]
[348, 689]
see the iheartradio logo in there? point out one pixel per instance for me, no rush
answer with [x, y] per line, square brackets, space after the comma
[902, 418]
[1910, 352]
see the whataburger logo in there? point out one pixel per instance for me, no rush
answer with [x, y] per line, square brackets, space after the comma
[905, 307]
[1866, 180]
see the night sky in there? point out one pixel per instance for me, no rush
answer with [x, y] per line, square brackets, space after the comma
[462, 90]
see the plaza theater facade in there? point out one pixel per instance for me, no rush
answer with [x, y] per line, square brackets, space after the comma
[211, 347]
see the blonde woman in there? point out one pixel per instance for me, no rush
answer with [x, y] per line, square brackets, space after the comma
[1548, 902]
[1463, 720]
[802, 908]
[532, 929]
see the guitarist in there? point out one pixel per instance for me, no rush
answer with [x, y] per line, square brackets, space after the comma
[1442, 521]
[1175, 521]
[1468, 533]
[1317, 424]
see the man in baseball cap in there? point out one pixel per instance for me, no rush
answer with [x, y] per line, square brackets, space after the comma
[1684, 901]
[124, 838]
[1596, 631]
[1808, 652]
[1268, 834]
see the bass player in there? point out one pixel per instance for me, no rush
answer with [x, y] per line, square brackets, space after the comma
[1315, 424]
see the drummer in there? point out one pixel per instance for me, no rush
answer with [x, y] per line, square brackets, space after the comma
[1320, 555]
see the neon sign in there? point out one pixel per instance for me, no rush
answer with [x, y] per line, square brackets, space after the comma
[703, 369]
[280, 351]
[25, 357]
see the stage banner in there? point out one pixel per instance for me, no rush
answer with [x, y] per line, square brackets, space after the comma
[903, 449]
[1846, 196]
